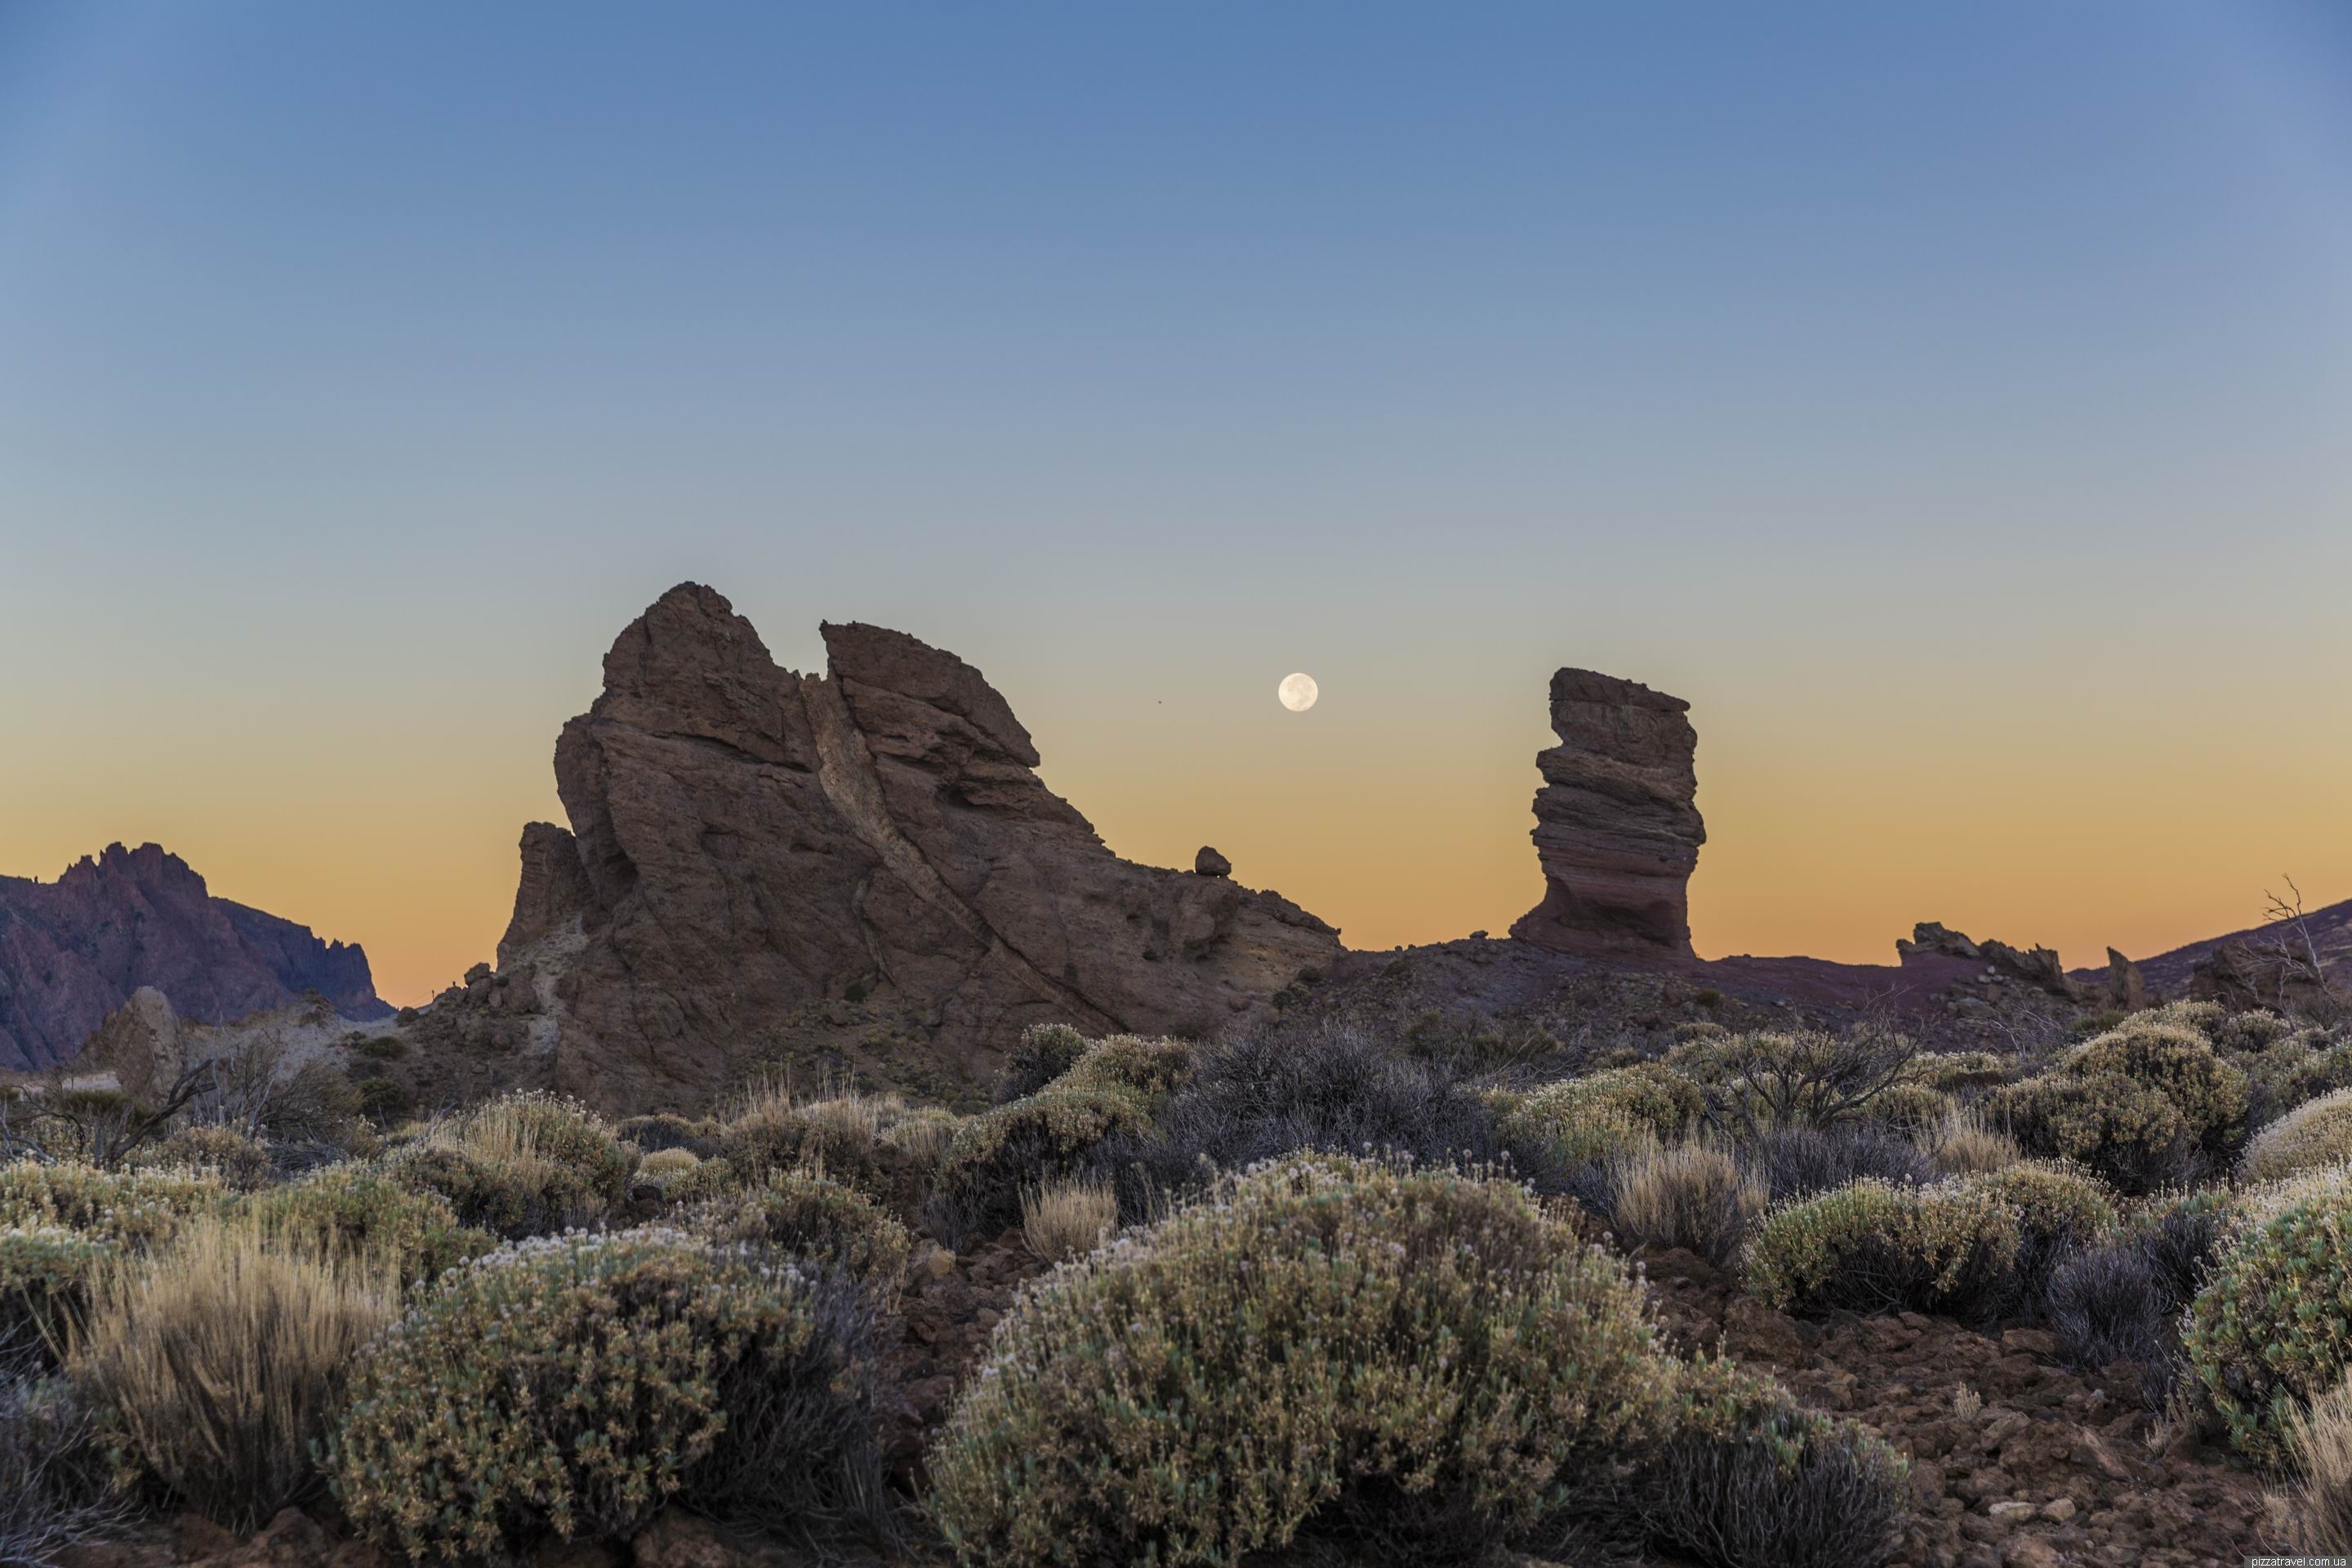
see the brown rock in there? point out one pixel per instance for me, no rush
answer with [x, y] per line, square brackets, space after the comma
[1616, 829]
[1209, 863]
[2126, 989]
[2038, 967]
[860, 872]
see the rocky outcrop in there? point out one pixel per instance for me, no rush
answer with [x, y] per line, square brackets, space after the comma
[857, 873]
[2037, 967]
[1616, 828]
[74, 949]
[2126, 988]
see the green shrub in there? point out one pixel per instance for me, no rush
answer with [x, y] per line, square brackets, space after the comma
[2175, 1058]
[815, 1218]
[573, 1386]
[2304, 1066]
[357, 1211]
[1411, 1366]
[712, 1178]
[1874, 1247]
[2254, 1030]
[2053, 1199]
[1953, 1071]
[1616, 1110]
[135, 1208]
[921, 1137]
[2273, 1327]
[1046, 1051]
[46, 1275]
[1152, 1069]
[995, 1155]
[383, 1098]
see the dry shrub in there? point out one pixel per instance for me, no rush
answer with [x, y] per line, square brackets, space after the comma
[1874, 1247]
[2316, 1133]
[1692, 1194]
[56, 1494]
[996, 1155]
[573, 1386]
[1046, 1051]
[356, 1211]
[240, 1163]
[1966, 1144]
[845, 1132]
[133, 1208]
[225, 1360]
[663, 1165]
[1059, 1218]
[808, 1215]
[521, 1164]
[2320, 1503]
[1337, 1359]
[46, 1275]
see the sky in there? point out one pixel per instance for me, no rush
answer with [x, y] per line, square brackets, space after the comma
[1954, 403]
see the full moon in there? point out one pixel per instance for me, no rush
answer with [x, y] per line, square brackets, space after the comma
[1297, 692]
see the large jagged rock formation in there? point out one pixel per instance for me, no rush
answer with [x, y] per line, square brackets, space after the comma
[1616, 828]
[74, 949]
[859, 872]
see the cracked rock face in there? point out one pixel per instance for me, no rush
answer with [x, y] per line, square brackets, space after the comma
[1616, 828]
[857, 873]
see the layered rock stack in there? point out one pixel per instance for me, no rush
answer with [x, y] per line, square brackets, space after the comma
[1616, 828]
[859, 874]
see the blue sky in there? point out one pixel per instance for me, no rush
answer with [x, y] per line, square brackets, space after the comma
[1953, 401]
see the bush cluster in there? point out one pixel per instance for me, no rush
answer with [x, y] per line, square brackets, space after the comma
[572, 1386]
[1403, 1365]
[2143, 1105]
[133, 1208]
[847, 1136]
[1046, 1051]
[1134, 1064]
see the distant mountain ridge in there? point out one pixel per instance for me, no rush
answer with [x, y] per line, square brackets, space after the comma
[74, 949]
[2331, 935]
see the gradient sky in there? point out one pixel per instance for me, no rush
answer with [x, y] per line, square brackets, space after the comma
[1953, 403]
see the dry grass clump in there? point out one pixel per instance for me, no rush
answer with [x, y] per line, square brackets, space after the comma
[845, 1132]
[1966, 1142]
[1693, 1195]
[224, 1360]
[1059, 1218]
[923, 1136]
[2319, 1437]
[575, 1385]
[2316, 1133]
[664, 1165]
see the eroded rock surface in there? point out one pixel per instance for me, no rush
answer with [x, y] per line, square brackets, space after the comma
[857, 872]
[1616, 826]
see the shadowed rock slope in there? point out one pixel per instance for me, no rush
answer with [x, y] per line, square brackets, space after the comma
[856, 872]
[74, 949]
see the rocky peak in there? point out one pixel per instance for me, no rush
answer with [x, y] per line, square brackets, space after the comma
[73, 950]
[859, 872]
[1616, 829]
